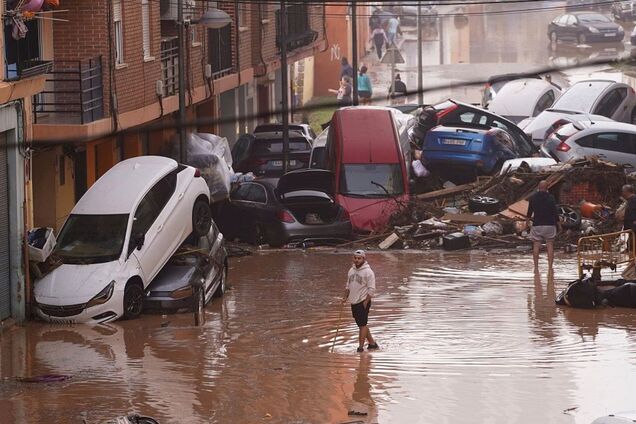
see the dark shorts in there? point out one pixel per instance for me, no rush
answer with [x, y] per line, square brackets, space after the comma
[360, 313]
[364, 94]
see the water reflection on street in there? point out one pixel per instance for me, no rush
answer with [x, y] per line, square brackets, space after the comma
[470, 337]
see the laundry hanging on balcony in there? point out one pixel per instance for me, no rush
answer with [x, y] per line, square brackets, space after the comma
[19, 11]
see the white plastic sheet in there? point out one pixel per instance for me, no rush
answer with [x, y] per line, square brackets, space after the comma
[211, 155]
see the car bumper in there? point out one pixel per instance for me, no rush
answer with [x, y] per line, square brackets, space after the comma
[79, 314]
[472, 160]
[158, 304]
[298, 231]
[601, 38]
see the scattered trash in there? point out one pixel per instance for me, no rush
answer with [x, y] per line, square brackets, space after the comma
[456, 241]
[41, 243]
[357, 413]
[472, 230]
[389, 241]
[46, 378]
[493, 228]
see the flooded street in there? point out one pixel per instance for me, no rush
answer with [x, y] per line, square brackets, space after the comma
[469, 337]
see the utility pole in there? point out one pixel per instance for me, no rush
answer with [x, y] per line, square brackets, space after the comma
[354, 49]
[420, 82]
[183, 154]
[284, 83]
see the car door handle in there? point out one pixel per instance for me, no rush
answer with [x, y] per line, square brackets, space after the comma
[181, 196]
[160, 228]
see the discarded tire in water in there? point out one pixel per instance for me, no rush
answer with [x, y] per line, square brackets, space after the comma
[570, 218]
[490, 205]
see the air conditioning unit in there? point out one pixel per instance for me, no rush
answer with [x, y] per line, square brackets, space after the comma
[168, 9]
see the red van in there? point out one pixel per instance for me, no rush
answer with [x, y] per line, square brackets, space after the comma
[364, 152]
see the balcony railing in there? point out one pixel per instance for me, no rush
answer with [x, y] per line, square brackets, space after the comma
[74, 93]
[220, 51]
[170, 66]
[299, 32]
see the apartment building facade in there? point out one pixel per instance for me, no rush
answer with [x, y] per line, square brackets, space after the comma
[99, 84]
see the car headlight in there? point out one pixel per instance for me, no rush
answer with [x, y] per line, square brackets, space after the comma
[103, 296]
[183, 292]
[593, 30]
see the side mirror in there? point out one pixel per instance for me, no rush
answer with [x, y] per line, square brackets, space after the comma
[138, 240]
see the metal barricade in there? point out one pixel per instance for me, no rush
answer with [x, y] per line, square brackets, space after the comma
[605, 251]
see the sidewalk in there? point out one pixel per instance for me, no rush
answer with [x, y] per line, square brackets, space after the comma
[380, 74]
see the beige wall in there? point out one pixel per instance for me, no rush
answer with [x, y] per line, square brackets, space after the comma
[52, 201]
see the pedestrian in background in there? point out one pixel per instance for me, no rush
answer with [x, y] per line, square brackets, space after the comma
[343, 94]
[346, 70]
[378, 37]
[542, 208]
[365, 90]
[359, 291]
[397, 90]
[392, 29]
[629, 218]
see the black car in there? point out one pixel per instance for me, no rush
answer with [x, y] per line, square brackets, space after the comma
[300, 208]
[585, 27]
[455, 113]
[262, 153]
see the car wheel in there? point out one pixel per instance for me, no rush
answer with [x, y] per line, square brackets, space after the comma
[570, 218]
[553, 37]
[582, 39]
[490, 205]
[220, 290]
[201, 218]
[133, 301]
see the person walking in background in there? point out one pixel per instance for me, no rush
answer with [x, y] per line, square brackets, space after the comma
[542, 208]
[378, 36]
[365, 90]
[344, 93]
[346, 70]
[629, 217]
[398, 91]
[392, 29]
[359, 291]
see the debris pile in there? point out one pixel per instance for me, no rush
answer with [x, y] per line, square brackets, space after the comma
[491, 212]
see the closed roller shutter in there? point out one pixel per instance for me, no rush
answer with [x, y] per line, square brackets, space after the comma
[5, 282]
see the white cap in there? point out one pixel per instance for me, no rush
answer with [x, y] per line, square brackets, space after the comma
[360, 252]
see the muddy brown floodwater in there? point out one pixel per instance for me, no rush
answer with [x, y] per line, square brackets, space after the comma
[465, 338]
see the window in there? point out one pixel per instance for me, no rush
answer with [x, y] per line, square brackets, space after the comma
[86, 239]
[587, 141]
[571, 20]
[241, 192]
[615, 142]
[268, 147]
[153, 203]
[544, 102]
[608, 105]
[563, 20]
[145, 25]
[257, 194]
[119, 32]
[371, 180]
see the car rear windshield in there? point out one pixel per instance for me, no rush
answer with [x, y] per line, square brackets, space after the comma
[566, 131]
[372, 180]
[273, 147]
[589, 18]
[580, 96]
[86, 239]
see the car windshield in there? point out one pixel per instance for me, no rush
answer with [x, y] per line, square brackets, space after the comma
[268, 147]
[590, 18]
[88, 239]
[581, 96]
[372, 180]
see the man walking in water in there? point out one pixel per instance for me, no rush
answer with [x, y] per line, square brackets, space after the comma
[359, 291]
[542, 208]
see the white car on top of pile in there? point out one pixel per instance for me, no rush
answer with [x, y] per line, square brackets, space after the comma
[119, 236]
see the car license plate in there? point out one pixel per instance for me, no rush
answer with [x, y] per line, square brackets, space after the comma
[292, 163]
[453, 142]
[277, 163]
[610, 34]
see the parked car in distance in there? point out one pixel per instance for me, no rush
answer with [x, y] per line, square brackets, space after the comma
[585, 27]
[617, 418]
[198, 265]
[524, 98]
[318, 158]
[610, 99]
[305, 129]
[496, 83]
[118, 237]
[365, 153]
[610, 141]
[301, 207]
[472, 148]
[262, 153]
[454, 113]
[623, 10]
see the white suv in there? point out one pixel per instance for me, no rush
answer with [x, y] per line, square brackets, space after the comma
[119, 236]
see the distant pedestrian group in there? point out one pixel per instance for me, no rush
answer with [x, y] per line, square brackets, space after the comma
[344, 93]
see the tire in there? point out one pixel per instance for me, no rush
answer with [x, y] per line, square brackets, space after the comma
[133, 301]
[554, 38]
[490, 205]
[581, 39]
[201, 218]
[570, 218]
[220, 290]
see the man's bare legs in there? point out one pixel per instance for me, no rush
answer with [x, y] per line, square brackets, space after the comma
[365, 334]
[550, 246]
[536, 248]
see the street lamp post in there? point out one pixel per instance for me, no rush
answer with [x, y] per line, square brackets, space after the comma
[214, 19]
[420, 77]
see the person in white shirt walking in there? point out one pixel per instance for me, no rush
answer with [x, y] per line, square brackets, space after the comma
[359, 291]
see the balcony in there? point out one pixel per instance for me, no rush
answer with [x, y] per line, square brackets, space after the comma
[220, 51]
[73, 93]
[299, 32]
[22, 57]
[170, 66]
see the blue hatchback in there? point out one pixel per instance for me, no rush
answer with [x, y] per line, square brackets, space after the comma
[478, 147]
